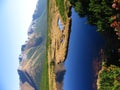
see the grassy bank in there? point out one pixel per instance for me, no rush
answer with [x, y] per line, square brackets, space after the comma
[61, 7]
[45, 84]
[64, 8]
[56, 9]
[50, 72]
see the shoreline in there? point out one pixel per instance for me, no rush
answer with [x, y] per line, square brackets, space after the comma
[97, 67]
[57, 50]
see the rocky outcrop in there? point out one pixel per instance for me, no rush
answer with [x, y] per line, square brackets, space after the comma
[25, 78]
[23, 47]
[34, 42]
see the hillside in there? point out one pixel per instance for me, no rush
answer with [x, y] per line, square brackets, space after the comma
[33, 52]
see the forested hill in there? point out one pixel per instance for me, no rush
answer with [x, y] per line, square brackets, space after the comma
[98, 12]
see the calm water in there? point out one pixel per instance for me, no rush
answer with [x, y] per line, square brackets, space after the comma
[85, 44]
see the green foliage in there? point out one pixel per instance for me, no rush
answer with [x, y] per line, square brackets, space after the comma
[98, 12]
[52, 63]
[73, 1]
[117, 87]
[110, 78]
[44, 83]
[61, 7]
[80, 9]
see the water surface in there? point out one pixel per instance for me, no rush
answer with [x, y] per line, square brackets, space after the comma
[85, 44]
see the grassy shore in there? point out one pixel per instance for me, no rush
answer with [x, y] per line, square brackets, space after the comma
[51, 73]
[61, 7]
[64, 8]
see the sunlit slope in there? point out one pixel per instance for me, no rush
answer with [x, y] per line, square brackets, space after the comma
[33, 52]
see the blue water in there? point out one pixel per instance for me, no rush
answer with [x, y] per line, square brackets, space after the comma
[85, 44]
[60, 25]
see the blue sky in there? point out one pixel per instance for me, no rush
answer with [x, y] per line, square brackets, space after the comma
[15, 18]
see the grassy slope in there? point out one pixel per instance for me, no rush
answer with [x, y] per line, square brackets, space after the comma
[38, 56]
[61, 7]
[44, 83]
[64, 7]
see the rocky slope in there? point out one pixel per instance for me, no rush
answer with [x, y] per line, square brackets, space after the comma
[34, 50]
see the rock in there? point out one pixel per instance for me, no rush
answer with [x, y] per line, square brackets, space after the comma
[25, 78]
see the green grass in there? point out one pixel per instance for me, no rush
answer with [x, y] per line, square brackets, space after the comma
[61, 7]
[44, 83]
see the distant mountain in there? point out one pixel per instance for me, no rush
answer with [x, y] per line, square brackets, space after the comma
[33, 51]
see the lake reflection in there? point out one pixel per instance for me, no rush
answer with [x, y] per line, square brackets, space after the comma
[85, 44]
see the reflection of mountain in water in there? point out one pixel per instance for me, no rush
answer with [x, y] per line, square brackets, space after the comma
[34, 50]
[60, 72]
